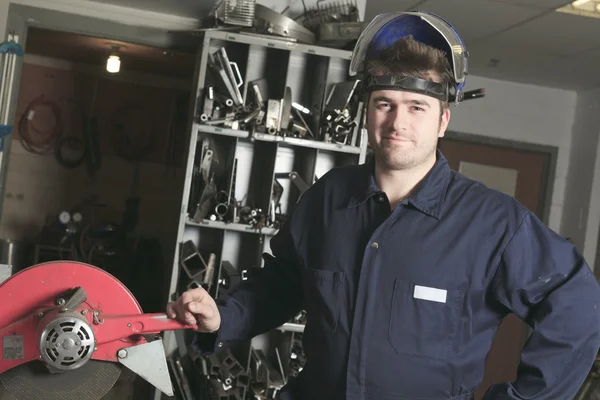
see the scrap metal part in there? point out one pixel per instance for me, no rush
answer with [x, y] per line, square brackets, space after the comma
[271, 22]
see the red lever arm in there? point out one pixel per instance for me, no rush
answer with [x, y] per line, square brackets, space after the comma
[114, 327]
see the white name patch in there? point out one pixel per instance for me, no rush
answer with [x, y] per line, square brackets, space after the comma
[431, 294]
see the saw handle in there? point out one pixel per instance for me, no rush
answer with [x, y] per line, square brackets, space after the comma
[167, 324]
[115, 327]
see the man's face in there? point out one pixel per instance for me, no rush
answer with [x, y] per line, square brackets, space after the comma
[404, 127]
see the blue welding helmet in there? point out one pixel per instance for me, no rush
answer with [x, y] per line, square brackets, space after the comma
[385, 29]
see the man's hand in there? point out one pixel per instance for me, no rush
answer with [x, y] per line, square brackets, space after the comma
[196, 306]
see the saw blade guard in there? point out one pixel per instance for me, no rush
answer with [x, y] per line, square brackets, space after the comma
[67, 314]
[40, 285]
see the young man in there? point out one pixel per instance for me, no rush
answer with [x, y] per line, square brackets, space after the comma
[406, 268]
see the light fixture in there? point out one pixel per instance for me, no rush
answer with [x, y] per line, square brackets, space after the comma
[113, 64]
[582, 8]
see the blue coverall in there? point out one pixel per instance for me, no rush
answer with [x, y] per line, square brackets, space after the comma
[405, 304]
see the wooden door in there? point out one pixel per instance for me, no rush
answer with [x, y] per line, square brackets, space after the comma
[524, 173]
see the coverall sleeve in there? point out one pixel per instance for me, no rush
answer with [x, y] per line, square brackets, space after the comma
[545, 281]
[269, 297]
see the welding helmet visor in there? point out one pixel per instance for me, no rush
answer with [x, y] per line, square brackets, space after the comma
[385, 29]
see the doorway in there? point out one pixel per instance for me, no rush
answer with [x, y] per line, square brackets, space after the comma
[526, 172]
[95, 159]
[93, 145]
[94, 168]
[522, 170]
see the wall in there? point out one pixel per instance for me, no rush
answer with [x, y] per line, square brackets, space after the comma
[591, 248]
[578, 206]
[38, 187]
[524, 113]
[130, 16]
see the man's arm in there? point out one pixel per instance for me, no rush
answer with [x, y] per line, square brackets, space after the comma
[269, 297]
[545, 281]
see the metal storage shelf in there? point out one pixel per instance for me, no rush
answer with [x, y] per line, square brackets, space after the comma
[265, 165]
[281, 44]
[231, 226]
[313, 144]
[217, 130]
[267, 137]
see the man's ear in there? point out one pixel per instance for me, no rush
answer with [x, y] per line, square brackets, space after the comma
[444, 120]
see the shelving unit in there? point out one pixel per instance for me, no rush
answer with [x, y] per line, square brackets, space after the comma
[303, 73]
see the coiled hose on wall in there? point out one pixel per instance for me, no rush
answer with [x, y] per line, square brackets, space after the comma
[32, 138]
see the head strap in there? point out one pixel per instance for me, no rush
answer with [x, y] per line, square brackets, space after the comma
[406, 83]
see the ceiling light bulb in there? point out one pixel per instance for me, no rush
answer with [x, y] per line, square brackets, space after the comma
[113, 64]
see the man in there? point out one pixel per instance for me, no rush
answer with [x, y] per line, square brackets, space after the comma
[406, 268]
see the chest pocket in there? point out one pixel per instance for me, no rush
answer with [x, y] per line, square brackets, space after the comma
[322, 291]
[424, 320]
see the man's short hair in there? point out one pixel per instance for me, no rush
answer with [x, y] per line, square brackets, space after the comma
[408, 57]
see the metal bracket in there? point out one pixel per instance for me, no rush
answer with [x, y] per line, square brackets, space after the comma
[5, 272]
[148, 360]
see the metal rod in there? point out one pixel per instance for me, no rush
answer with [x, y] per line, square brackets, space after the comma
[12, 61]
[4, 84]
[233, 176]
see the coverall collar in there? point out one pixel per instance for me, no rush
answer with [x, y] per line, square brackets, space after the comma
[428, 197]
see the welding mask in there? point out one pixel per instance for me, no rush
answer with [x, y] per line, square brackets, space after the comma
[430, 29]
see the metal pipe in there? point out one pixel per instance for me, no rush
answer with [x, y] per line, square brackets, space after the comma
[221, 209]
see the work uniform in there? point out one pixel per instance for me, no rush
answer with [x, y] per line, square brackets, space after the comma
[404, 304]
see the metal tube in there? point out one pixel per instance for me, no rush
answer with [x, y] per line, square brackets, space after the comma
[218, 121]
[12, 61]
[208, 275]
[251, 116]
[4, 83]
[221, 209]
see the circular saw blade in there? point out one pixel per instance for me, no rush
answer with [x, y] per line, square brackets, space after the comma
[33, 381]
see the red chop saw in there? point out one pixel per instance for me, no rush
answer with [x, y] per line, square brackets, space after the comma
[66, 330]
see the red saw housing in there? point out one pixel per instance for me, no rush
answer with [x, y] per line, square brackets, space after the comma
[79, 309]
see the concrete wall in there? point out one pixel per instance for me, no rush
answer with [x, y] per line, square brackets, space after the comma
[591, 249]
[584, 150]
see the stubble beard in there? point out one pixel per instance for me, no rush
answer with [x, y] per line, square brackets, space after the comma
[393, 158]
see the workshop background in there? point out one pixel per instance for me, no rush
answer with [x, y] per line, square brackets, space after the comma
[140, 118]
[533, 119]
